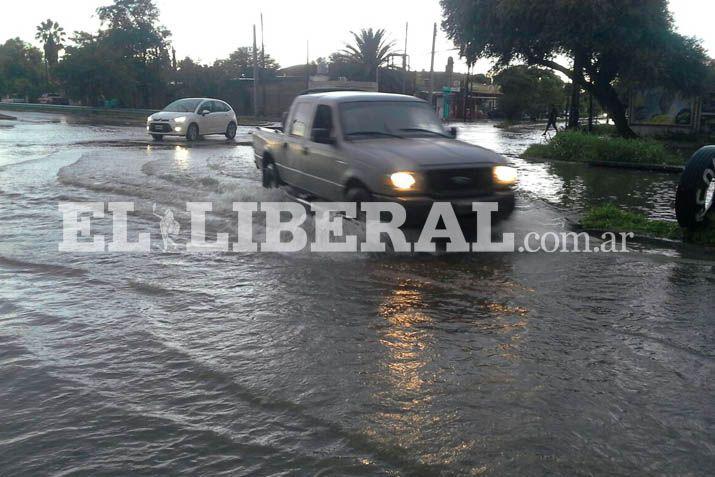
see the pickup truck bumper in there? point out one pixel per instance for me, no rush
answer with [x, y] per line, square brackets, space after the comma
[418, 207]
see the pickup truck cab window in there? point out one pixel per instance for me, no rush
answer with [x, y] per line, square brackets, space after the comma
[300, 120]
[322, 123]
[369, 119]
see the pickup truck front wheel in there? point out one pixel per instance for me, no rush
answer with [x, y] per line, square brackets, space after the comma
[358, 194]
[270, 175]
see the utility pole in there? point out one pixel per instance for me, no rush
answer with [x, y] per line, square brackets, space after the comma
[307, 64]
[466, 94]
[404, 62]
[431, 66]
[255, 74]
[263, 72]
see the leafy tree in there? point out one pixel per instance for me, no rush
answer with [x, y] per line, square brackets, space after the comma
[370, 49]
[239, 64]
[20, 69]
[631, 41]
[51, 34]
[133, 36]
[91, 71]
[529, 90]
[481, 78]
[133, 26]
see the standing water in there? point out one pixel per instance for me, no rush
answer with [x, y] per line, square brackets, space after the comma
[325, 364]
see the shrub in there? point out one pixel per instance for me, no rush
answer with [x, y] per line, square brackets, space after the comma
[581, 146]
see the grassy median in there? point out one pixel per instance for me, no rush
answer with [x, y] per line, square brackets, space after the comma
[580, 146]
[613, 219]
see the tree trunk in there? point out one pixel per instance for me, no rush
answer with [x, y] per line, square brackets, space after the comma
[574, 113]
[609, 100]
[605, 94]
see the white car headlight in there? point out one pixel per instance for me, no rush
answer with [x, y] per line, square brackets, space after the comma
[403, 180]
[180, 120]
[505, 175]
[149, 118]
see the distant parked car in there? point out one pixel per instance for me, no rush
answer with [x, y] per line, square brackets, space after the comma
[52, 98]
[193, 118]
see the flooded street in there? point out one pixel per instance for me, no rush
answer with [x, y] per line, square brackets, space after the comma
[337, 364]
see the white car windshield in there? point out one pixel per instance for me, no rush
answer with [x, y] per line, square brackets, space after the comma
[183, 106]
[389, 119]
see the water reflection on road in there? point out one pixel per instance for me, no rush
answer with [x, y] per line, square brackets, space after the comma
[576, 186]
[320, 364]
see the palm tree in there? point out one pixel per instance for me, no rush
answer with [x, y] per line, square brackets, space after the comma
[51, 34]
[370, 48]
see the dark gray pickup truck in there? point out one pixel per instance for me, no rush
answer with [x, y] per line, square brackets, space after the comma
[356, 146]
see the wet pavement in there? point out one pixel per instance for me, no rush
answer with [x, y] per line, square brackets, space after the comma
[348, 364]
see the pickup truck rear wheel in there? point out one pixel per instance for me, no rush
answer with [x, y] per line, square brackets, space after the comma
[271, 178]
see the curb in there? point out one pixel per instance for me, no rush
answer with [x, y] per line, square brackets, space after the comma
[616, 165]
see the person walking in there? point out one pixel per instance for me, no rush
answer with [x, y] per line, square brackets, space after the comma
[553, 115]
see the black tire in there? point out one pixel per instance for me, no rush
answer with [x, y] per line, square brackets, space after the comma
[231, 130]
[691, 196]
[358, 194]
[270, 175]
[157, 137]
[192, 134]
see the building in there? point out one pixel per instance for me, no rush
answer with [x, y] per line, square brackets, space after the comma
[656, 111]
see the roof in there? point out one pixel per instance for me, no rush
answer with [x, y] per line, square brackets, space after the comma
[198, 99]
[355, 96]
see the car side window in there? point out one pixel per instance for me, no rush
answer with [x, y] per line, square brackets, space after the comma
[221, 107]
[206, 105]
[323, 118]
[301, 117]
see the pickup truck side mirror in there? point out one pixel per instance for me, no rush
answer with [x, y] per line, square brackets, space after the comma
[321, 136]
[453, 132]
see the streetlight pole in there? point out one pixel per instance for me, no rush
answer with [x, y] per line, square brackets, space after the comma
[404, 63]
[255, 74]
[431, 66]
[263, 72]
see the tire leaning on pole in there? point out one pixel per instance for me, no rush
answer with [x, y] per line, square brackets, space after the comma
[694, 190]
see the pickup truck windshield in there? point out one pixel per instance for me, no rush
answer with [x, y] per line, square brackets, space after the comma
[183, 106]
[369, 119]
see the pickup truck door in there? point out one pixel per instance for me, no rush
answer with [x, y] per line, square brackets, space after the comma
[320, 160]
[294, 142]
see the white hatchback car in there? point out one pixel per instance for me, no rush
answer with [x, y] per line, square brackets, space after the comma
[193, 118]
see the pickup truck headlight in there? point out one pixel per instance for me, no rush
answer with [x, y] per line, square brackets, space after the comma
[505, 175]
[180, 120]
[403, 180]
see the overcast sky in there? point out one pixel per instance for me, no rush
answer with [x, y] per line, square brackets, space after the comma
[209, 29]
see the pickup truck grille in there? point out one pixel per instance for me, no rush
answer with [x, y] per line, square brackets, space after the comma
[447, 183]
